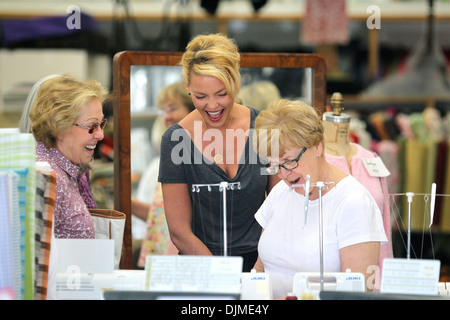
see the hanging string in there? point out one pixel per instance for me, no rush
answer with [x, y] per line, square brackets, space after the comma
[400, 226]
[426, 199]
[213, 236]
[201, 214]
[420, 194]
[231, 221]
[223, 187]
[426, 215]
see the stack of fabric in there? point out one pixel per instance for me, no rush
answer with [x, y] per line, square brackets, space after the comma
[27, 197]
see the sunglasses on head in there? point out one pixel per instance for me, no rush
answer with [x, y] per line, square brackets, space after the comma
[91, 129]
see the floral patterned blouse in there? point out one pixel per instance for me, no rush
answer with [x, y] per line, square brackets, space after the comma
[71, 214]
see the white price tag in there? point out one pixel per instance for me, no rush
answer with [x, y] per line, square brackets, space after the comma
[415, 276]
[375, 167]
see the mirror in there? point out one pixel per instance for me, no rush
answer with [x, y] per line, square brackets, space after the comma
[138, 76]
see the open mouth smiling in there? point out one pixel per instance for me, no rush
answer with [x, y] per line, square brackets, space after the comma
[215, 115]
[90, 147]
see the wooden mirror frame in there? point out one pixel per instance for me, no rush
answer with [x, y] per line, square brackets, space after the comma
[122, 63]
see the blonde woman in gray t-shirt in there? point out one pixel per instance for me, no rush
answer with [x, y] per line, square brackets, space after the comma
[210, 146]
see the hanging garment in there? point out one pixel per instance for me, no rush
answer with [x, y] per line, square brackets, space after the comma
[445, 217]
[388, 151]
[325, 22]
[376, 185]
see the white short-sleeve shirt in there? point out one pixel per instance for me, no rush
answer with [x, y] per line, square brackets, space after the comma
[288, 245]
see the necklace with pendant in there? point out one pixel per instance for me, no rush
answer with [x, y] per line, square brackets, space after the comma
[218, 157]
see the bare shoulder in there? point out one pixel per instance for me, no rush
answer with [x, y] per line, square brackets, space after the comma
[188, 122]
[241, 116]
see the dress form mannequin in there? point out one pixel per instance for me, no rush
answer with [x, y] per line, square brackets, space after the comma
[350, 157]
[337, 131]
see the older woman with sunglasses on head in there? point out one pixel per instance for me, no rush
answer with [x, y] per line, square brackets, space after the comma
[67, 122]
[290, 134]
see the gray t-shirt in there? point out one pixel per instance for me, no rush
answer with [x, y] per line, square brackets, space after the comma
[182, 162]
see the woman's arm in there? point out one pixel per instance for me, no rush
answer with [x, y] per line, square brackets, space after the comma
[359, 257]
[259, 267]
[140, 209]
[178, 209]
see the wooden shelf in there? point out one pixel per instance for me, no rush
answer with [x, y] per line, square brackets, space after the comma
[227, 10]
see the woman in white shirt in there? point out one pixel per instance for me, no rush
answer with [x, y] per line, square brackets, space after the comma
[290, 135]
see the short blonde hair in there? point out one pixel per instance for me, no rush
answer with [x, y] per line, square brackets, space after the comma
[58, 104]
[286, 124]
[259, 94]
[213, 55]
[175, 91]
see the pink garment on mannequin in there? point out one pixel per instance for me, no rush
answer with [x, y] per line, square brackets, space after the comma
[376, 186]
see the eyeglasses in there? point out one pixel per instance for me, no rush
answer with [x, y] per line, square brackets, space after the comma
[91, 129]
[163, 112]
[288, 165]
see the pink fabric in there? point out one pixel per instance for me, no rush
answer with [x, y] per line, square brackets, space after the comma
[325, 22]
[388, 151]
[377, 187]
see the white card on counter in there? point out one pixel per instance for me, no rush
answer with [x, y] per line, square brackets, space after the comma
[410, 276]
[193, 273]
[375, 167]
[84, 255]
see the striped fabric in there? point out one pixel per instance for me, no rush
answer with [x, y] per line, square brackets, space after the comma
[45, 202]
[8, 195]
[18, 221]
[18, 151]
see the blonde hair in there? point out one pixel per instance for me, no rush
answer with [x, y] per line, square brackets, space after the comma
[58, 103]
[286, 124]
[213, 55]
[175, 91]
[259, 94]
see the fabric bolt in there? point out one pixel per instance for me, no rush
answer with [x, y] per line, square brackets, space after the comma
[420, 164]
[18, 151]
[445, 218]
[441, 174]
[388, 151]
[71, 215]
[376, 186]
[45, 202]
[18, 225]
[289, 245]
[8, 195]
